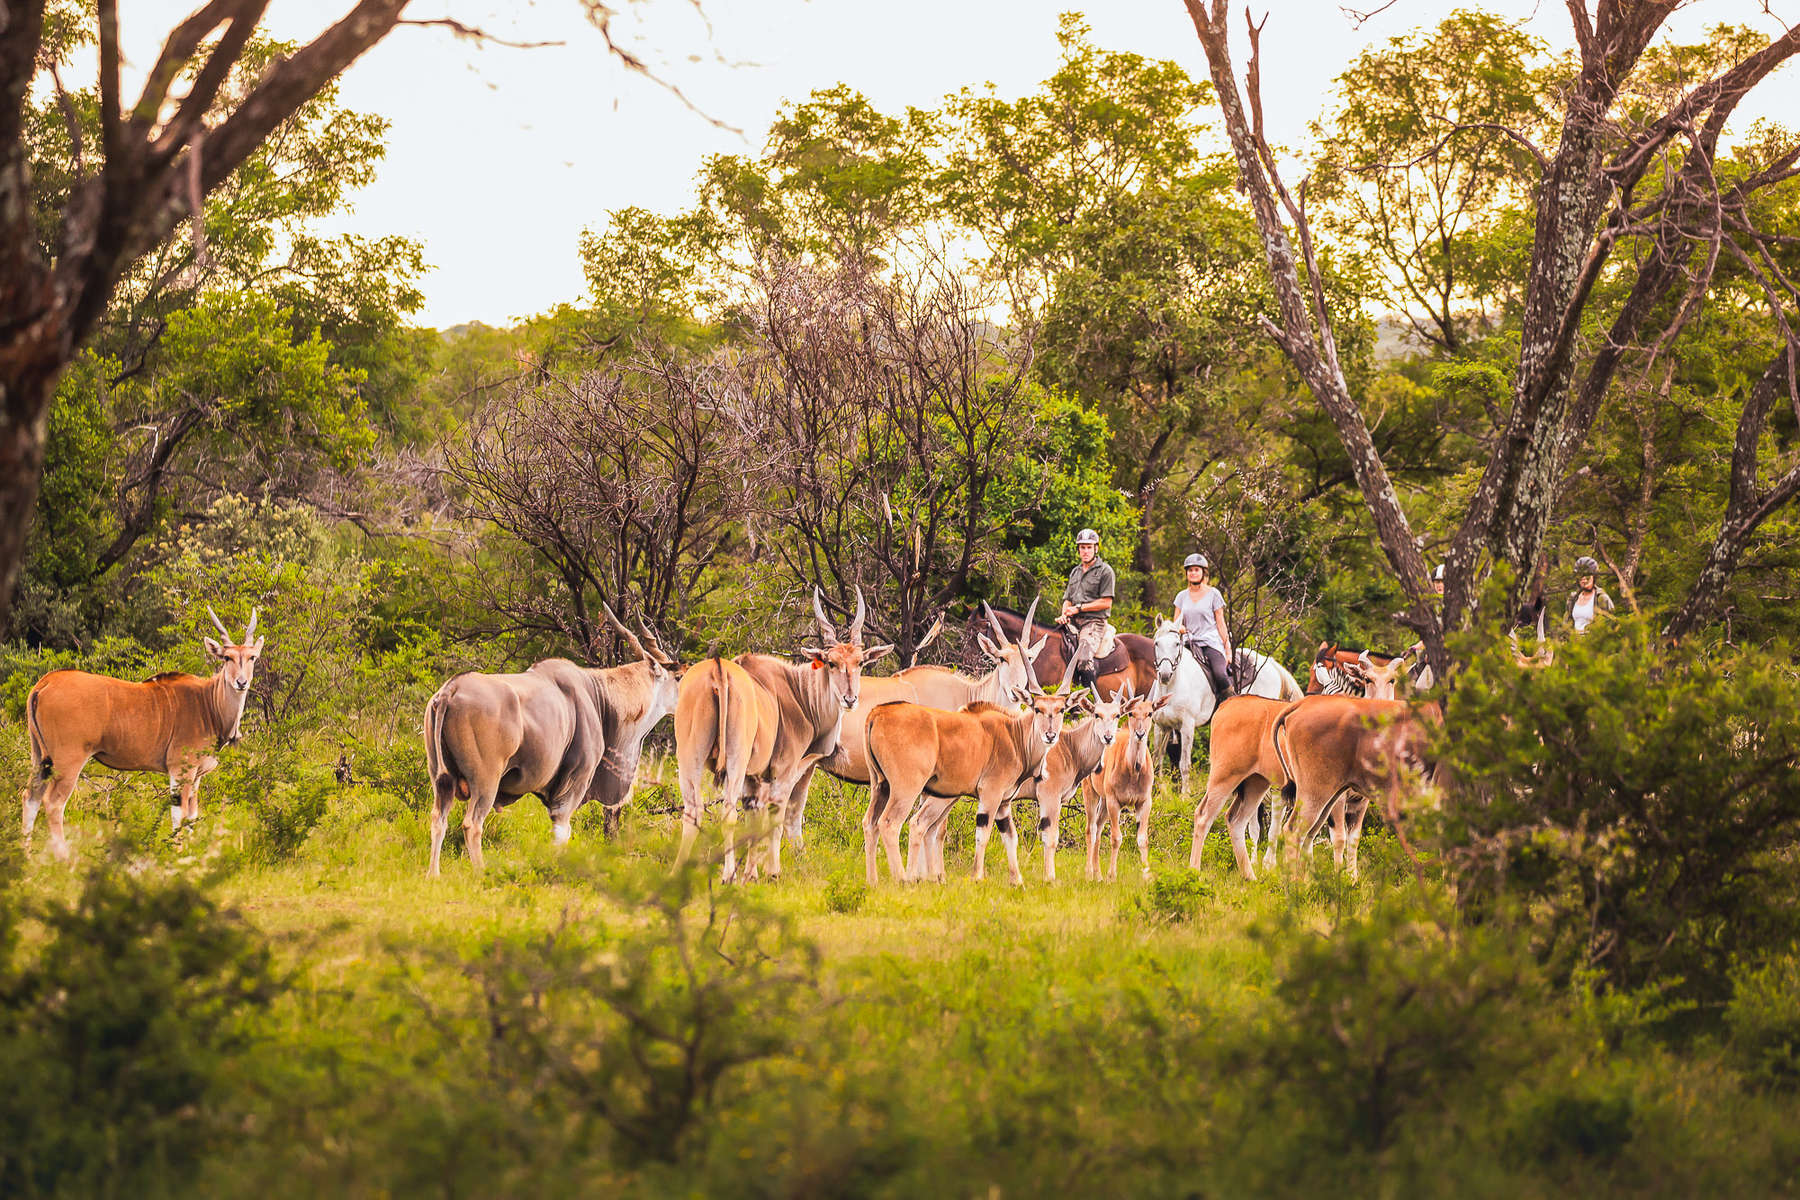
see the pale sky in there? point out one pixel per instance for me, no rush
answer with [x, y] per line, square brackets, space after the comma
[498, 157]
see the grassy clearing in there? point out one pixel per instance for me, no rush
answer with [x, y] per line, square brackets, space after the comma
[1187, 1035]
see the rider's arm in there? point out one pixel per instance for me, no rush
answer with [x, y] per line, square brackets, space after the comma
[1224, 637]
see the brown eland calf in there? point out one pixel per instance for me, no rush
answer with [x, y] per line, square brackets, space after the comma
[565, 733]
[983, 750]
[170, 724]
[1125, 780]
[1345, 748]
[930, 685]
[1074, 758]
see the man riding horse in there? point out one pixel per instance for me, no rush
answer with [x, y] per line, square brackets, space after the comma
[1086, 601]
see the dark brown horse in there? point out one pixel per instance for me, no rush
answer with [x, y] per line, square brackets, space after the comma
[1133, 659]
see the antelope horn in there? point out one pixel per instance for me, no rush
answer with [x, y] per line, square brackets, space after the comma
[1518, 651]
[1068, 675]
[856, 622]
[654, 644]
[250, 633]
[1540, 642]
[1365, 660]
[631, 638]
[1026, 629]
[223, 632]
[825, 625]
[995, 622]
[937, 627]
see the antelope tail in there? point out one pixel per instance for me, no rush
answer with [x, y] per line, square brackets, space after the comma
[446, 780]
[724, 694]
[42, 767]
[1289, 790]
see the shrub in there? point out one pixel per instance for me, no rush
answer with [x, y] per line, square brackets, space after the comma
[1171, 898]
[846, 892]
[637, 1029]
[1763, 1020]
[1641, 801]
[1393, 1016]
[117, 1029]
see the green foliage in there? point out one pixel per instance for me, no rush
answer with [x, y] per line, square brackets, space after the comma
[1172, 898]
[641, 1029]
[1389, 1018]
[1642, 799]
[121, 1019]
[846, 892]
[1025, 174]
[1763, 1020]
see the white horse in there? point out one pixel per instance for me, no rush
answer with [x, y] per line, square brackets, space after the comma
[1180, 676]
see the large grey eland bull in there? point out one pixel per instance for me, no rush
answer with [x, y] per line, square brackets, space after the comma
[171, 724]
[929, 758]
[758, 723]
[1345, 748]
[928, 684]
[560, 731]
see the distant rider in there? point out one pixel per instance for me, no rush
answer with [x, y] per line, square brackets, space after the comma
[1589, 599]
[1085, 603]
[1200, 611]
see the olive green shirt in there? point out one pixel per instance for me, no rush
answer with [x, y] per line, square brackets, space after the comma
[1089, 585]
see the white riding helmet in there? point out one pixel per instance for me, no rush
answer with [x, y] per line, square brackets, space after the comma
[1087, 537]
[1195, 560]
[1437, 573]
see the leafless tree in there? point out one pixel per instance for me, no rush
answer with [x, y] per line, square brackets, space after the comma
[888, 410]
[1606, 184]
[623, 482]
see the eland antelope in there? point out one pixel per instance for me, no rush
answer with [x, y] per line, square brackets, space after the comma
[563, 732]
[171, 724]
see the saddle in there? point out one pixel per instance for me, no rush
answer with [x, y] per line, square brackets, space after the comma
[1243, 670]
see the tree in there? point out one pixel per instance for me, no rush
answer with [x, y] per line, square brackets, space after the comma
[151, 166]
[1592, 195]
[1422, 166]
[910, 452]
[1025, 174]
[623, 481]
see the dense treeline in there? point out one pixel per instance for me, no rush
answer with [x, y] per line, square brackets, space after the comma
[913, 354]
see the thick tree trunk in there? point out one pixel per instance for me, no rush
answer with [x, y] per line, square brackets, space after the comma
[1749, 504]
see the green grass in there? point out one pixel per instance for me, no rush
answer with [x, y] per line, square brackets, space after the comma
[463, 1036]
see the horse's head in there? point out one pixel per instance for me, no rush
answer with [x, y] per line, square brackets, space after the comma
[1167, 655]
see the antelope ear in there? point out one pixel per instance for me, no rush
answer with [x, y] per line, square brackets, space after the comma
[988, 648]
[1157, 707]
[1019, 695]
[256, 646]
[1321, 674]
[213, 648]
[1038, 649]
[874, 653]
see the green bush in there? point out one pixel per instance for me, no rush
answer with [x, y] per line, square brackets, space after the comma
[120, 1019]
[1171, 897]
[1641, 801]
[846, 892]
[1763, 1020]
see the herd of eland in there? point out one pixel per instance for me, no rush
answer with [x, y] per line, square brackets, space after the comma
[751, 731]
